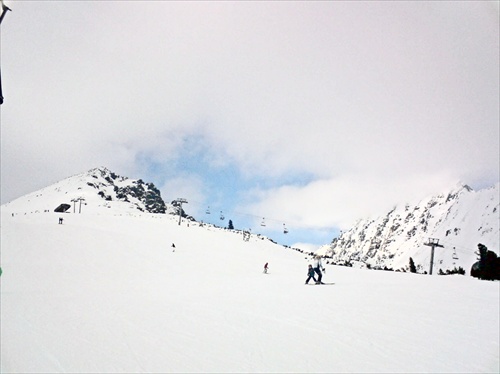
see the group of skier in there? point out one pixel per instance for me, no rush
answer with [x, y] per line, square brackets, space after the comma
[316, 269]
[311, 271]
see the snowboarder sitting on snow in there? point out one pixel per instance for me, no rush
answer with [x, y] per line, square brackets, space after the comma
[318, 266]
[310, 273]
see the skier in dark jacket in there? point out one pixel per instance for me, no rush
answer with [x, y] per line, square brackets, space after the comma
[310, 273]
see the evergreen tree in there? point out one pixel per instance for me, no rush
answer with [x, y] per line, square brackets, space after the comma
[413, 269]
[230, 225]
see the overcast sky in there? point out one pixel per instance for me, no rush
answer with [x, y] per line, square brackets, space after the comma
[313, 114]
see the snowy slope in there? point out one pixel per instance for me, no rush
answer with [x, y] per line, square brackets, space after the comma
[459, 219]
[105, 292]
[94, 191]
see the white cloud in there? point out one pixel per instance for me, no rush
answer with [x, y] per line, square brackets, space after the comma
[374, 102]
[340, 202]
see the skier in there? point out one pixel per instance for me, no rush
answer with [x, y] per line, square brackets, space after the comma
[60, 220]
[310, 273]
[173, 247]
[318, 266]
[265, 268]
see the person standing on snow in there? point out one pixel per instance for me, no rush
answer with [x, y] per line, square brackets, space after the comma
[310, 273]
[265, 267]
[318, 266]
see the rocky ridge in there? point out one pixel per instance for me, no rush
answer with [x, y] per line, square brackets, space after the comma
[459, 220]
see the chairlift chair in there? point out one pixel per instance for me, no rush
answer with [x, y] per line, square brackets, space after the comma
[221, 216]
[208, 210]
[263, 223]
[285, 230]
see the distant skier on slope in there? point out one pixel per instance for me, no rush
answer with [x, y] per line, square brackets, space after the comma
[266, 266]
[310, 273]
[318, 266]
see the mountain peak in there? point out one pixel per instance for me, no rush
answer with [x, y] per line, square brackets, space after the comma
[460, 186]
[99, 188]
[102, 171]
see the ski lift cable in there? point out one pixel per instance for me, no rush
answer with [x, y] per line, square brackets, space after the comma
[450, 245]
[284, 225]
[241, 213]
[238, 212]
[451, 249]
[212, 207]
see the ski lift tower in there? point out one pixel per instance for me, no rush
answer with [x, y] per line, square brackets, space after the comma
[433, 243]
[74, 203]
[180, 201]
[75, 200]
[80, 199]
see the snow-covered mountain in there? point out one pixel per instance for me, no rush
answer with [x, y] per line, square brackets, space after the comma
[459, 220]
[93, 191]
[107, 292]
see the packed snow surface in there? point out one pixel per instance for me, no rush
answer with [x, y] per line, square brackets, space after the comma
[107, 293]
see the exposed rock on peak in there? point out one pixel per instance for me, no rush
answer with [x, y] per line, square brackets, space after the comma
[111, 186]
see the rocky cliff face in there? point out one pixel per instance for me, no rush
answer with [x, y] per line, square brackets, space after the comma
[459, 220]
[109, 186]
